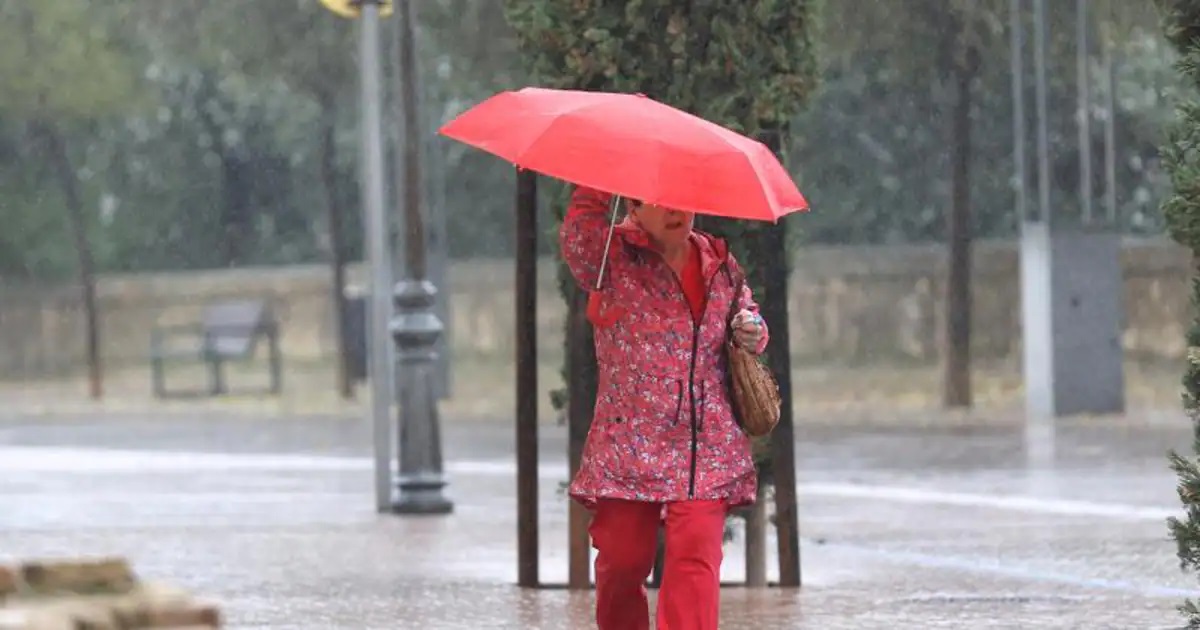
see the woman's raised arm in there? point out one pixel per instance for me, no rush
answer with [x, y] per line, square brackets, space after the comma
[583, 234]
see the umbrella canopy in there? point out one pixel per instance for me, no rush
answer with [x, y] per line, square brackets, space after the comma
[633, 146]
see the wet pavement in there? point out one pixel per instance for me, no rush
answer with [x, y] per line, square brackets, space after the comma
[987, 525]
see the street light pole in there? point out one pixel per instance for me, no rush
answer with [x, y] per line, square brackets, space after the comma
[415, 327]
[1020, 164]
[1043, 133]
[375, 229]
[1083, 110]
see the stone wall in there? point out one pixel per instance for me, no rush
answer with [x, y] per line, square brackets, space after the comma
[848, 305]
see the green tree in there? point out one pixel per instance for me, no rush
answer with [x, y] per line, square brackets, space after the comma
[321, 70]
[948, 72]
[300, 51]
[900, 131]
[877, 132]
[1181, 19]
[748, 65]
[55, 84]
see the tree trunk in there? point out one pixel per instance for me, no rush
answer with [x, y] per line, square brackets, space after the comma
[756, 540]
[56, 149]
[236, 226]
[956, 391]
[337, 245]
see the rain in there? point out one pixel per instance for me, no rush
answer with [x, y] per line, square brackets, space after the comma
[277, 353]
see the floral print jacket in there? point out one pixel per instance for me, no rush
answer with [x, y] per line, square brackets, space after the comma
[663, 429]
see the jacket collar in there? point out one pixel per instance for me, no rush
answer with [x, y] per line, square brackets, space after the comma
[714, 251]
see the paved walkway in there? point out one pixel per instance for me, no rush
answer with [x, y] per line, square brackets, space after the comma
[922, 528]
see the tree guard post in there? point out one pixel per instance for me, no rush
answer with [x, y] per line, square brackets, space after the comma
[774, 305]
[581, 403]
[527, 388]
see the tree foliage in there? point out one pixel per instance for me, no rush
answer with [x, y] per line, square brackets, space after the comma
[194, 123]
[61, 85]
[747, 65]
[1181, 155]
[46, 74]
[874, 136]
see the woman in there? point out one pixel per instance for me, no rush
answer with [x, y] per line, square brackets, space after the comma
[664, 445]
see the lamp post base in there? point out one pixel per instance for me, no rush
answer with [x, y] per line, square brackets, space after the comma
[421, 495]
[416, 329]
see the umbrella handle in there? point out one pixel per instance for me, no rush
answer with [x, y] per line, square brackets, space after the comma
[612, 225]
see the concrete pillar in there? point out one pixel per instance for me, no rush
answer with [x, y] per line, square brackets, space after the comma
[1072, 312]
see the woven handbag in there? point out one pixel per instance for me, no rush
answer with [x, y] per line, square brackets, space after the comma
[753, 391]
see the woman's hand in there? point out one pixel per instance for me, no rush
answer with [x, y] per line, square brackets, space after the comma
[747, 327]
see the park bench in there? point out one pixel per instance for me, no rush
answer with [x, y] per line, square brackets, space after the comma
[227, 331]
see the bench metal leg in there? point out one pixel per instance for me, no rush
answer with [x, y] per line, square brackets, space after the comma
[216, 377]
[158, 378]
[276, 361]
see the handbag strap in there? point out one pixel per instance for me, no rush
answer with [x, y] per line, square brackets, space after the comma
[738, 286]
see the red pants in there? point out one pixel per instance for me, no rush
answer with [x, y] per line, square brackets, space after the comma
[625, 535]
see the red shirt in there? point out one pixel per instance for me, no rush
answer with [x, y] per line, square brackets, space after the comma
[692, 279]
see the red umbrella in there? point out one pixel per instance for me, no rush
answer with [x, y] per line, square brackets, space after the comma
[633, 146]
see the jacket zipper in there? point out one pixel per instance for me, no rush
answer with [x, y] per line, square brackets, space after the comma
[692, 398]
[692, 380]
[692, 369]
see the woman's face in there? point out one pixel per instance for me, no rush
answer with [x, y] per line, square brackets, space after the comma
[665, 226]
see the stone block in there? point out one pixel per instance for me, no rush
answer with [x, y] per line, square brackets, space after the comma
[194, 614]
[8, 582]
[96, 594]
[35, 619]
[103, 575]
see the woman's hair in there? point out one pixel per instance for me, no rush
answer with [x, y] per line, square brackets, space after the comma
[630, 205]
